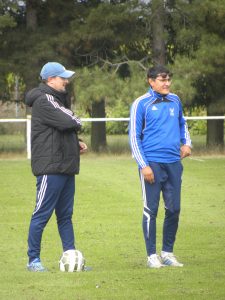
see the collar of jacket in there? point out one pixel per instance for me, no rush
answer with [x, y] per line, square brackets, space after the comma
[156, 95]
[61, 96]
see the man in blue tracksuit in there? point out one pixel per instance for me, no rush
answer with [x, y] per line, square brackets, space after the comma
[159, 139]
[55, 158]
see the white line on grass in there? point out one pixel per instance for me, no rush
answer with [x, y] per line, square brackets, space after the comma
[197, 159]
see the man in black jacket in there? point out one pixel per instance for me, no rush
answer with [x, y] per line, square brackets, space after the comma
[55, 158]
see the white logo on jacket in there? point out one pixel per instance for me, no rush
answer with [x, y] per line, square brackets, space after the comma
[172, 112]
[154, 108]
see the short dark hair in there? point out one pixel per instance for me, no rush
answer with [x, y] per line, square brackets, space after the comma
[155, 71]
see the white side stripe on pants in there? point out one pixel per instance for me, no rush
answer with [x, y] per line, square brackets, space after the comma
[41, 193]
[145, 202]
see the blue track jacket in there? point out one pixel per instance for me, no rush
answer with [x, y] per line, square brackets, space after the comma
[157, 128]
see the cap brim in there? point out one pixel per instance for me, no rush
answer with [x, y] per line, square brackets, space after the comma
[67, 74]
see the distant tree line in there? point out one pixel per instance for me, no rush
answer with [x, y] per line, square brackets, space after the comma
[111, 44]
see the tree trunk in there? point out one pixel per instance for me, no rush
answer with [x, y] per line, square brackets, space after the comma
[31, 15]
[98, 129]
[215, 131]
[158, 42]
[31, 26]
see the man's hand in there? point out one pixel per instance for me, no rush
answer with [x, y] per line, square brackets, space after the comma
[185, 151]
[83, 147]
[148, 174]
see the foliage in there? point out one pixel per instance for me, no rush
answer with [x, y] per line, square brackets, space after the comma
[12, 143]
[108, 38]
[6, 22]
[6, 19]
[78, 34]
[93, 85]
[119, 93]
[119, 110]
[100, 37]
[15, 87]
[196, 127]
[201, 63]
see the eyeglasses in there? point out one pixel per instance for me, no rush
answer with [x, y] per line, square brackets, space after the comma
[169, 80]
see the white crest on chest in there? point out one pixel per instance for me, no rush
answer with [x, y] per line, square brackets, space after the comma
[172, 112]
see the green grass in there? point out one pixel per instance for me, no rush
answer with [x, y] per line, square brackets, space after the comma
[116, 144]
[107, 219]
[12, 143]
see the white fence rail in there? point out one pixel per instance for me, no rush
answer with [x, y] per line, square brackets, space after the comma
[28, 124]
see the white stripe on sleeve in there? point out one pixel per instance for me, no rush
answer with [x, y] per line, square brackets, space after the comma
[62, 108]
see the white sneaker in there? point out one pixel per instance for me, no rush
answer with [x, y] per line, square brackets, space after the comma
[169, 259]
[154, 261]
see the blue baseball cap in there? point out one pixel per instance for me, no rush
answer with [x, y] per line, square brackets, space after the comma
[54, 69]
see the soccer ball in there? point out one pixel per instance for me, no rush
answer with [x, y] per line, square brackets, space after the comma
[72, 261]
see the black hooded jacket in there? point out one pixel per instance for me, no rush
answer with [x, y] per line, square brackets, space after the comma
[54, 127]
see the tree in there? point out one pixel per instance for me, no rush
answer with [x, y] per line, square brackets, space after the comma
[106, 43]
[77, 34]
[200, 31]
[112, 35]
[93, 86]
[158, 32]
[7, 21]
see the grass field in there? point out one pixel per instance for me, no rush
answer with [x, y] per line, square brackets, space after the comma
[107, 219]
[11, 145]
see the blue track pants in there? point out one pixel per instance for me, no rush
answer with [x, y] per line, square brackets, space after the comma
[54, 192]
[167, 181]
